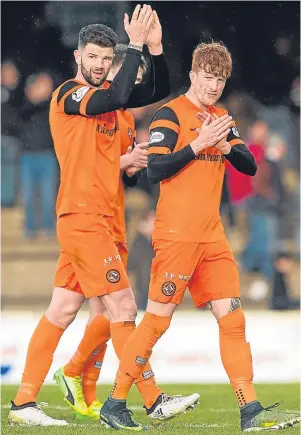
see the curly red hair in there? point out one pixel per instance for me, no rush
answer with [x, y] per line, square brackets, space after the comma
[212, 57]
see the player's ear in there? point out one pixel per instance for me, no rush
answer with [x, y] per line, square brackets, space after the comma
[192, 76]
[77, 56]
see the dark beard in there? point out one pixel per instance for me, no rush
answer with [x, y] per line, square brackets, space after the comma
[88, 77]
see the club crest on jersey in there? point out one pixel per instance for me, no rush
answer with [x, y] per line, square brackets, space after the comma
[79, 94]
[235, 131]
[168, 288]
[156, 136]
[113, 276]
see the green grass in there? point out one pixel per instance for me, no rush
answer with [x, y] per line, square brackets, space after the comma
[217, 412]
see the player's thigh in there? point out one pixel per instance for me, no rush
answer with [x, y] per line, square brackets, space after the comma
[96, 261]
[67, 296]
[216, 276]
[96, 308]
[171, 270]
[64, 301]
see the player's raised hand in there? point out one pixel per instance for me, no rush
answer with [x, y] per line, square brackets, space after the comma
[140, 24]
[211, 133]
[154, 38]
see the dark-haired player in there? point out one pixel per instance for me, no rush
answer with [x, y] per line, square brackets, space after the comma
[87, 361]
[87, 142]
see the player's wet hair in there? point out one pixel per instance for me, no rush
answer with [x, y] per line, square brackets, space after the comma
[119, 56]
[98, 34]
[214, 58]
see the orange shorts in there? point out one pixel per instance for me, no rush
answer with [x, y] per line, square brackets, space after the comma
[89, 261]
[123, 252]
[208, 270]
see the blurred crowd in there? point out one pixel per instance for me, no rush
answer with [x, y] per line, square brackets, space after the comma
[261, 213]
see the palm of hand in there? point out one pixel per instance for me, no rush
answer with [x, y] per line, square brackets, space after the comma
[155, 34]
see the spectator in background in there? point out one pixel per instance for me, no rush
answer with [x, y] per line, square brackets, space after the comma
[281, 299]
[38, 162]
[10, 144]
[265, 210]
[140, 258]
[240, 185]
[242, 108]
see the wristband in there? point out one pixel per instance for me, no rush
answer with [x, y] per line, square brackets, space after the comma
[135, 47]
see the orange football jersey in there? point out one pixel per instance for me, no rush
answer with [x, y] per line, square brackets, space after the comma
[188, 206]
[88, 151]
[126, 123]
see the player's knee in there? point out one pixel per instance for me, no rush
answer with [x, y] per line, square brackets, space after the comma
[129, 309]
[121, 306]
[160, 309]
[96, 307]
[223, 307]
[106, 314]
[60, 319]
[62, 315]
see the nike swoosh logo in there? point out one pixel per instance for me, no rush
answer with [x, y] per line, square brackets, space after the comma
[69, 396]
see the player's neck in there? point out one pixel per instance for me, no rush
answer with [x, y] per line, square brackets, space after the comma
[192, 97]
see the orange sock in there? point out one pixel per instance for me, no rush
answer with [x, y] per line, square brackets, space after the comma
[91, 373]
[97, 333]
[145, 383]
[39, 357]
[236, 356]
[137, 352]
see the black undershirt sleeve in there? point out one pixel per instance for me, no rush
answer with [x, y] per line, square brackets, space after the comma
[162, 166]
[165, 163]
[242, 160]
[156, 88]
[108, 100]
[130, 181]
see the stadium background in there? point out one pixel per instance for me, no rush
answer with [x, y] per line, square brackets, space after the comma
[263, 96]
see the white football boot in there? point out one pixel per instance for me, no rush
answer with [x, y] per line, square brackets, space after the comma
[167, 407]
[30, 414]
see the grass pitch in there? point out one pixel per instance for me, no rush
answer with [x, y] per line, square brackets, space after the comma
[217, 413]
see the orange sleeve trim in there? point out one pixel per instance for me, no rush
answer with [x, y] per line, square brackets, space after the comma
[165, 123]
[84, 102]
[236, 142]
[158, 150]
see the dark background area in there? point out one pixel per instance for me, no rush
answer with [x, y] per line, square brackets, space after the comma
[264, 65]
